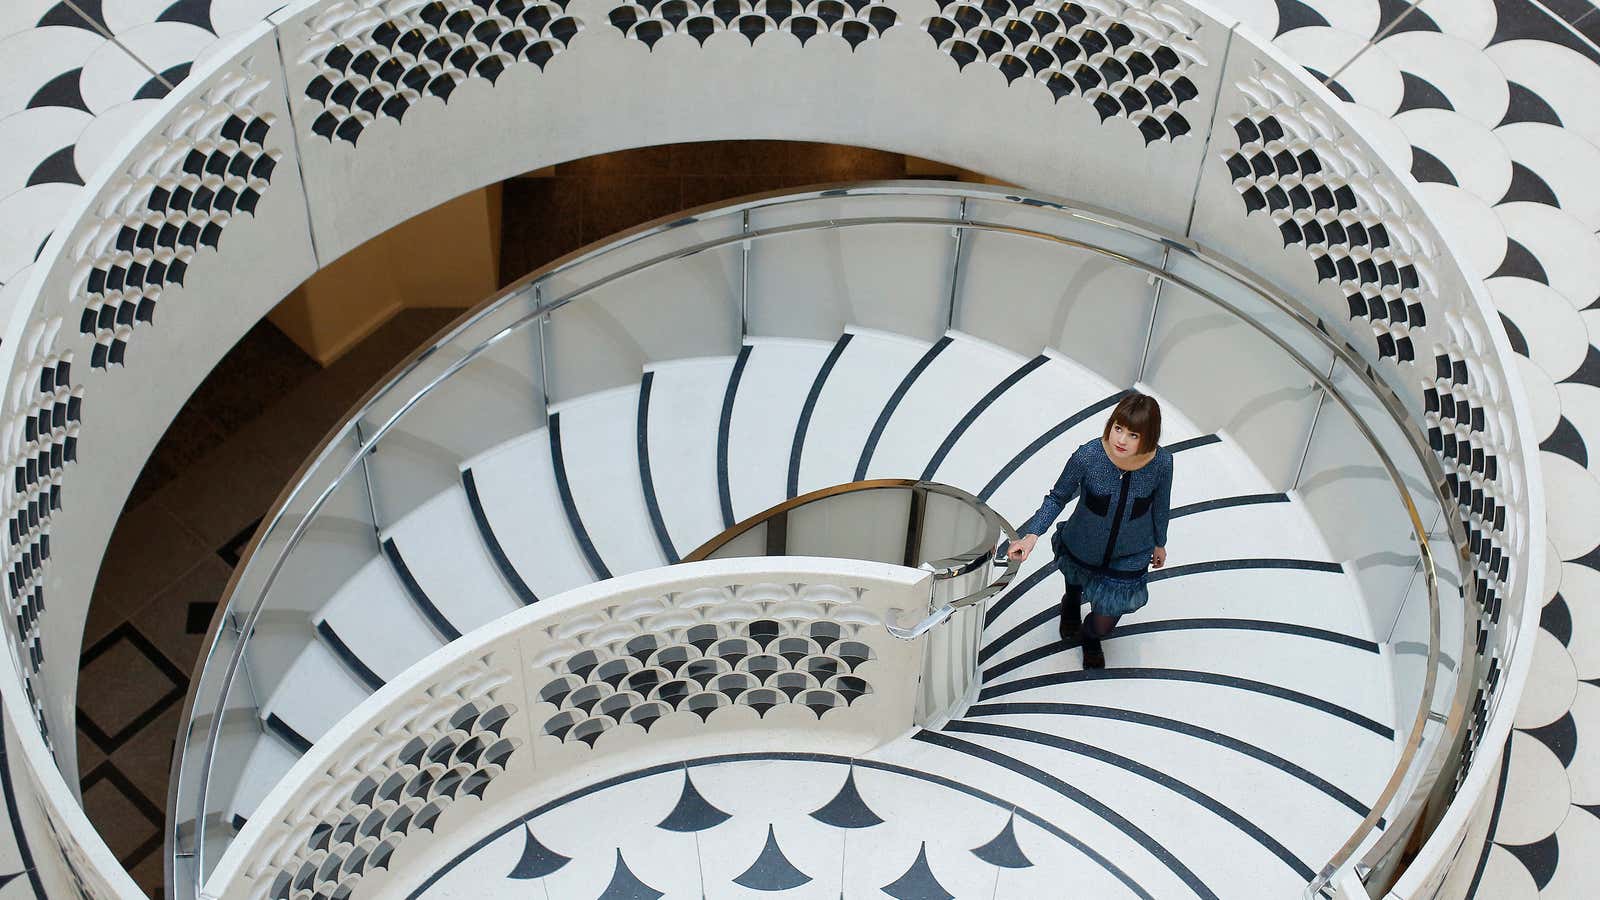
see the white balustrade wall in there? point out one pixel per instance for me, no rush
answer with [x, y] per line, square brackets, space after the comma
[337, 119]
[772, 654]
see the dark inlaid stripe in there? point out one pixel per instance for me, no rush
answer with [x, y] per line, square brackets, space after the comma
[570, 507]
[1187, 791]
[492, 543]
[810, 406]
[984, 402]
[14, 814]
[1494, 817]
[1186, 728]
[660, 768]
[287, 734]
[1229, 565]
[419, 597]
[893, 403]
[989, 692]
[1226, 503]
[1038, 653]
[1042, 440]
[724, 424]
[651, 504]
[1190, 444]
[1050, 611]
[1099, 809]
[1017, 590]
[348, 657]
[1200, 568]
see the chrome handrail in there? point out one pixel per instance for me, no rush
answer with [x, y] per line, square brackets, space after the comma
[943, 569]
[1398, 827]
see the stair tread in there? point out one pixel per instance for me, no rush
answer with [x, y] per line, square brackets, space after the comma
[522, 506]
[599, 441]
[441, 546]
[685, 407]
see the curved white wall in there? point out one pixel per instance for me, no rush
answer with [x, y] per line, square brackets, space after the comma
[895, 90]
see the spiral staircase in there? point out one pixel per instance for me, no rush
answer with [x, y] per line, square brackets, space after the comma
[1314, 703]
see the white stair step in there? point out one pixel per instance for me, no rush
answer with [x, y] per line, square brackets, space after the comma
[958, 377]
[516, 486]
[1344, 676]
[380, 622]
[442, 548]
[600, 447]
[777, 377]
[1303, 815]
[685, 408]
[269, 760]
[1035, 404]
[317, 691]
[861, 383]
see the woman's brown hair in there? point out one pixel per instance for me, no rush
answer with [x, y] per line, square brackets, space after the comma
[1140, 414]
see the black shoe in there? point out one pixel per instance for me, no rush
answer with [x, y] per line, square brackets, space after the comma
[1071, 618]
[1093, 656]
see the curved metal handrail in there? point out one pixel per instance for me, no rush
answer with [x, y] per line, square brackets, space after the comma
[943, 569]
[1357, 367]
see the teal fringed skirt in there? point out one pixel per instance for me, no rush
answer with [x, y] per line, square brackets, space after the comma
[1113, 591]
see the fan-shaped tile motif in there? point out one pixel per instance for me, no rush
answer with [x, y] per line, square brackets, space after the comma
[1115, 56]
[379, 69]
[856, 21]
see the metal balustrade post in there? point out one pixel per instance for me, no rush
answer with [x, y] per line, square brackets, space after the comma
[544, 353]
[1150, 327]
[1311, 431]
[778, 535]
[955, 270]
[744, 278]
[915, 515]
[366, 478]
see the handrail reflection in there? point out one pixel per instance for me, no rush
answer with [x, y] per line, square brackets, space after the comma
[944, 569]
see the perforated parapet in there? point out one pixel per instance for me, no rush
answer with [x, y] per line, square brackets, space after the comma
[446, 745]
[1128, 58]
[1329, 197]
[759, 646]
[857, 21]
[377, 59]
[169, 202]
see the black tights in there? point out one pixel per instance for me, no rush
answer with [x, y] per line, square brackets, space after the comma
[1089, 631]
[1097, 626]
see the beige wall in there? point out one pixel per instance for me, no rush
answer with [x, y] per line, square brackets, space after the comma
[448, 256]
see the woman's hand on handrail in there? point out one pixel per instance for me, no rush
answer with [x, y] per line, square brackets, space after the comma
[1158, 557]
[1021, 547]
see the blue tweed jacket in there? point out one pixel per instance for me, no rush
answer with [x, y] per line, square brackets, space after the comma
[1122, 515]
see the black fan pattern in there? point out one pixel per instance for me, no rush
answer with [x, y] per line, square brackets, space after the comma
[759, 646]
[857, 21]
[421, 764]
[1134, 65]
[1326, 196]
[212, 170]
[368, 70]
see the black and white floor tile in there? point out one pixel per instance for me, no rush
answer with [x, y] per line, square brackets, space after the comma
[752, 825]
[1490, 104]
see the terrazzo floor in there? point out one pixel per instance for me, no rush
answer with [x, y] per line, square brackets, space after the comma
[1489, 103]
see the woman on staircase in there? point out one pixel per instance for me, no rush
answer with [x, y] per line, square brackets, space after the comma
[1119, 528]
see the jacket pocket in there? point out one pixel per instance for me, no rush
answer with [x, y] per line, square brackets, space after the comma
[1141, 505]
[1099, 504]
